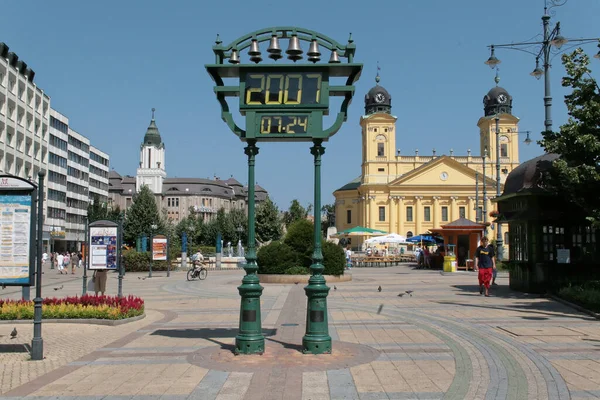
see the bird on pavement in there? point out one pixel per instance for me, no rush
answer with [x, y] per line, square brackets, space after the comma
[409, 292]
[334, 287]
[3, 286]
[13, 334]
[59, 288]
[379, 309]
[139, 277]
[379, 289]
[401, 294]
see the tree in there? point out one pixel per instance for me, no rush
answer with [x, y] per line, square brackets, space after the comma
[268, 225]
[576, 173]
[98, 210]
[328, 212]
[142, 214]
[295, 213]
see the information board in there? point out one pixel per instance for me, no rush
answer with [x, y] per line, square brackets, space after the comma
[103, 247]
[159, 248]
[15, 226]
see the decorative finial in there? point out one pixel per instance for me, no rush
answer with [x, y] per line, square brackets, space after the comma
[218, 40]
[497, 77]
[350, 40]
[153, 109]
[377, 77]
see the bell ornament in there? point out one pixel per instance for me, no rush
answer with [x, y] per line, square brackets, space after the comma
[313, 53]
[335, 58]
[234, 58]
[294, 51]
[274, 50]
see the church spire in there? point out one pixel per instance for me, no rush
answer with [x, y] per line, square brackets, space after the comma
[152, 137]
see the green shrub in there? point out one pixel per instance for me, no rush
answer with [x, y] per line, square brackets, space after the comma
[140, 262]
[297, 271]
[300, 237]
[275, 258]
[334, 259]
[588, 298]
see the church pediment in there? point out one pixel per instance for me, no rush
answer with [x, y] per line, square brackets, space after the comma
[442, 171]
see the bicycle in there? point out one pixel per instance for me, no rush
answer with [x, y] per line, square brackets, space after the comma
[199, 271]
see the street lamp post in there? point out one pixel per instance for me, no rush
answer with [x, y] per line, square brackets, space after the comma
[483, 157]
[499, 242]
[551, 38]
[86, 258]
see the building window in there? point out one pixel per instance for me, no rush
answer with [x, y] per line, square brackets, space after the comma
[518, 242]
[553, 237]
[409, 234]
[348, 216]
[409, 214]
[444, 213]
[381, 214]
[427, 213]
[504, 150]
[479, 215]
[462, 212]
[380, 149]
[380, 169]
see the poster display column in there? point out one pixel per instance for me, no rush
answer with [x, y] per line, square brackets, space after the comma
[104, 252]
[160, 249]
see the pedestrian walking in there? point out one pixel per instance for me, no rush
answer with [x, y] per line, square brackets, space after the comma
[60, 260]
[74, 262]
[485, 262]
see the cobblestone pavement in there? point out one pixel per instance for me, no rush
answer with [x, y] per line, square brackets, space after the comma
[444, 341]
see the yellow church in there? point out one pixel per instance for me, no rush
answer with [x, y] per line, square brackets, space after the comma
[411, 194]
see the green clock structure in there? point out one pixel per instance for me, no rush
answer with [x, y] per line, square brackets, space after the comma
[284, 102]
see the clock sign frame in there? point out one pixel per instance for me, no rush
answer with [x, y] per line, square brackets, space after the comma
[284, 102]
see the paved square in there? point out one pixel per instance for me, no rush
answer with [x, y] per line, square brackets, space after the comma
[444, 341]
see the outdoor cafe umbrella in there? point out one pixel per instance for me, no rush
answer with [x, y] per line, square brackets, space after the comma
[389, 238]
[421, 239]
[360, 231]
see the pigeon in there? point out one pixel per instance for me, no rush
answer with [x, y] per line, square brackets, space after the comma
[3, 286]
[143, 279]
[334, 287]
[379, 309]
[379, 289]
[59, 288]
[13, 334]
[139, 277]
[295, 283]
[401, 294]
[409, 292]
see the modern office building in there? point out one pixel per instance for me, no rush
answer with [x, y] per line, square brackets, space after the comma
[177, 196]
[24, 118]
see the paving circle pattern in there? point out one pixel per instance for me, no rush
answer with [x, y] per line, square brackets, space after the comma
[284, 356]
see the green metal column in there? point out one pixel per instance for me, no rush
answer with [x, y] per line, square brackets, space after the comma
[250, 339]
[317, 339]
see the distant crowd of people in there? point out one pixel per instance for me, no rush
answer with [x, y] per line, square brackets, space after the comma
[65, 261]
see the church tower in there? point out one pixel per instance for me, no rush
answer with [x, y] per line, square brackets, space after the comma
[152, 160]
[497, 105]
[378, 136]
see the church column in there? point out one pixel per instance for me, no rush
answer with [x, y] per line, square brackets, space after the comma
[435, 210]
[392, 214]
[418, 214]
[372, 214]
[363, 211]
[471, 209]
[453, 209]
[400, 217]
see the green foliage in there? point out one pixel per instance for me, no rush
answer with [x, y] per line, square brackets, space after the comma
[276, 258]
[142, 214]
[586, 295]
[98, 210]
[334, 259]
[268, 225]
[300, 237]
[295, 213]
[328, 213]
[140, 262]
[576, 174]
[297, 271]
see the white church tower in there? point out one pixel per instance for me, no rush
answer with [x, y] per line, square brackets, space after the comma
[152, 160]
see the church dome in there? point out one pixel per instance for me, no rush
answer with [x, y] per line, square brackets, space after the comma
[497, 101]
[152, 136]
[378, 99]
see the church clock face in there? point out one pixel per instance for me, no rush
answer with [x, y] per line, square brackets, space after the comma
[379, 97]
[502, 98]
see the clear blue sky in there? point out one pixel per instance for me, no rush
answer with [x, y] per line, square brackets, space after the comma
[107, 63]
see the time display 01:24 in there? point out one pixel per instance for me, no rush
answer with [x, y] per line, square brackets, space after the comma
[276, 89]
[285, 124]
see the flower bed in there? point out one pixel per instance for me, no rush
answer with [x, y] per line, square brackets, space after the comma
[84, 307]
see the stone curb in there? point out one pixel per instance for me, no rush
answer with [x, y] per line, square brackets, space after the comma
[105, 322]
[289, 279]
[575, 306]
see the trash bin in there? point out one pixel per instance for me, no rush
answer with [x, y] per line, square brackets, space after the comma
[449, 263]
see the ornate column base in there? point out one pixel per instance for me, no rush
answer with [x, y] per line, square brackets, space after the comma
[317, 339]
[250, 339]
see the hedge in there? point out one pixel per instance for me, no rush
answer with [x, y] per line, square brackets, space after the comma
[139, 262]
[84, 307]
[276, 258]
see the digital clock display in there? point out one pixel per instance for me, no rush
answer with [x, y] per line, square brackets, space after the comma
[284, 124]
[277, 89]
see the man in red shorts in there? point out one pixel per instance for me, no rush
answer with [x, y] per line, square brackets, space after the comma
[485, 261]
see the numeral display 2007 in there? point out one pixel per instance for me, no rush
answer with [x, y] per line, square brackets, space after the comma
[283, 88]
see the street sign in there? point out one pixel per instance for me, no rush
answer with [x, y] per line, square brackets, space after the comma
[17, 231]
[159, 248]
